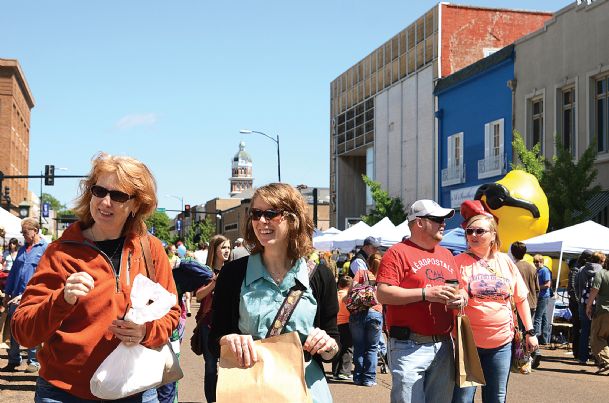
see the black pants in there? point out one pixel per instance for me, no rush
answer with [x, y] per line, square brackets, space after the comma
[573, 307]
[343, 361]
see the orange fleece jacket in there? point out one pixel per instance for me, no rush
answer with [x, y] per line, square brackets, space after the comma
[75, 338]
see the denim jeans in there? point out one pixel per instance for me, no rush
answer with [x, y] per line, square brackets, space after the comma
[496, 367]
[540, 323]
[584, 334]
[366, 330]
[211, 367]
[14, 356]
[421, 372]
[47, 393]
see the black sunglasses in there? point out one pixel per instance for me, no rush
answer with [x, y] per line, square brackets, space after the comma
[437, 220]
[257, 214]
[115, 195]
[498, 196]
[477, 231]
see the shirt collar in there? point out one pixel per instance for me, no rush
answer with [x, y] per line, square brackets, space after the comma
[256, 270]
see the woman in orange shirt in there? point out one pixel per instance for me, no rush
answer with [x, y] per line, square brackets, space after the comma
[492, 279]
[343, 362]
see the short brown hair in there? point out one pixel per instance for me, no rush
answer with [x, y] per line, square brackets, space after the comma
[284, 197]
[133, 176]
[518, 249]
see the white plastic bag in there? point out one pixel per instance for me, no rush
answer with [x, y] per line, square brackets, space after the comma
[132, 369]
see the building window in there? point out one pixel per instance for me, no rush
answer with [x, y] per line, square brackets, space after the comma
[567, 119]
[494, 160]
[454, 172]
[601, 112]
[536, 122]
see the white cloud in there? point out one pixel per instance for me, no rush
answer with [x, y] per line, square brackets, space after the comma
[130, 121]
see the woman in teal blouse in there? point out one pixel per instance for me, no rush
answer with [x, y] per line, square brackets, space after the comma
[249, 291]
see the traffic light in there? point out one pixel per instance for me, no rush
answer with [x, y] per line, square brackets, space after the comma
[49, 175]
[187, 210]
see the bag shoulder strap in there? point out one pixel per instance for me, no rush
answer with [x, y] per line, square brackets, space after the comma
[150, 269]
[289, 304]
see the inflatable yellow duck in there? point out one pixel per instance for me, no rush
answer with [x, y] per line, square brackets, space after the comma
[519, 204]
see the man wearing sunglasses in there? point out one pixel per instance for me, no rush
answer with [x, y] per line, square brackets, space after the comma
[415, 283]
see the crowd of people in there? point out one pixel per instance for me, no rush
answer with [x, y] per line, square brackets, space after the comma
[69, 298]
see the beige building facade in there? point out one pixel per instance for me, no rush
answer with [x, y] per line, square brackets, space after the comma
[564, 93]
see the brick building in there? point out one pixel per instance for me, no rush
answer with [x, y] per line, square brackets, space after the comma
[16, 102]
[382, 109]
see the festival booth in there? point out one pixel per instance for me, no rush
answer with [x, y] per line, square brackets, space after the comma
[570, 241]
[349, 238]
[11, 225]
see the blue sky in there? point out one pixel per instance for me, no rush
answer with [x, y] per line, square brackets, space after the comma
[171, 83]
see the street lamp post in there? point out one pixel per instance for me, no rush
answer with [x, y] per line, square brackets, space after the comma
[246, 131]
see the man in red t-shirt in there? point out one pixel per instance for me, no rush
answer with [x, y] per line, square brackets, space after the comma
[417, 282]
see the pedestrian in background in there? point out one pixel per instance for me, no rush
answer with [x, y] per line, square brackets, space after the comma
[418, 303]
[239, 249]
[342, 365]
[583, 285]
[599, 332]
[21, 272]
[76, 301]
[218, 255]
[541, 324]
[366, 328]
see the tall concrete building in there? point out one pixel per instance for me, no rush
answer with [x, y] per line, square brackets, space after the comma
[241, 179]
[16, 102]
[382, 108]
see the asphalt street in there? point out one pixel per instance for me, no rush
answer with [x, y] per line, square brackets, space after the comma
[559, 378]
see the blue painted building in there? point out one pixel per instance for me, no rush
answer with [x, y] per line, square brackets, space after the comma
[474, 121]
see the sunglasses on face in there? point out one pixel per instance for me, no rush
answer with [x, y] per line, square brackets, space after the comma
[257, 214]
[437, 220]
[498, 196]
[115, 195]
[477, 231]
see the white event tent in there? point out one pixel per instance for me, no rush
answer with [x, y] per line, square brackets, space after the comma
[352, 236]
[11, 225]
[572, 240]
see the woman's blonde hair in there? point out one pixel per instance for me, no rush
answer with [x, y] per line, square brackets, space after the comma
[374, 262]
[281, 196]
[215, 242]
[493, 227]
[133, 177]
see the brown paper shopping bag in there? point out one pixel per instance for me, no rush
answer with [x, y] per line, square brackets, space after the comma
[468, 371]
[278, 376]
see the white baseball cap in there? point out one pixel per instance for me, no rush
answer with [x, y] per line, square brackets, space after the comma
[422, 208]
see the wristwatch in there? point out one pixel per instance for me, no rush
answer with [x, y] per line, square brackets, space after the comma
[530, 332]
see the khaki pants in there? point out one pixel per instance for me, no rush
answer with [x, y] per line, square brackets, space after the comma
[599, 337]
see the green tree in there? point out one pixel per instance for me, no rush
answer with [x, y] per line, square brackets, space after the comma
[568, 185]
[199, 231]
[384, 205]
[161, 223]
[56, 205]
[530, 161]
